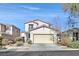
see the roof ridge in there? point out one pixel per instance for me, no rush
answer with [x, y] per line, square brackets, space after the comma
[37, 20]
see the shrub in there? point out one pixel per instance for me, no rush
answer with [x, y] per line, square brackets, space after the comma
[74, 44]
[1, 38]
[19, 41]
[29, 41]
[4, 42]
[66, 40]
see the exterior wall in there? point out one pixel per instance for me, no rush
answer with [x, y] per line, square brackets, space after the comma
[40, 23]
[27, 26]
[23, 35]
[9, 29]
[2, 28]
[15, 32]
[9, 32]
[43, 31]
[70, 34]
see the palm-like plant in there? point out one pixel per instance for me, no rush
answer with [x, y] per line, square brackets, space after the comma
[73, 10]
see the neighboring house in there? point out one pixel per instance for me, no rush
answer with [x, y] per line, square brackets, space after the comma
[73, 34]
[41, 32]
[24, 36]
[15, 32]
[9, 32]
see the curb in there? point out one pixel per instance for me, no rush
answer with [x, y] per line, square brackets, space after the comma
[40, 50]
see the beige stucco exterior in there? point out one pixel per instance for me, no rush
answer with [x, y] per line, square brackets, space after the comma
[43, 35]
[41, 32]
[36, 24]
[23, 35]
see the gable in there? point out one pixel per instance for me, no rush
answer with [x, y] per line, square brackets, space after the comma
[41, 22]
[38, 22]
[43, 30]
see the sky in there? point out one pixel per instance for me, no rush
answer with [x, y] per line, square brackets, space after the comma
[19, 13]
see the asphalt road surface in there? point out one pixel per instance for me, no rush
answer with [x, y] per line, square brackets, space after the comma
[40, 50]
[40, 53]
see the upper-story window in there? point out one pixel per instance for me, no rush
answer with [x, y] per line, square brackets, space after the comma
[30, 26]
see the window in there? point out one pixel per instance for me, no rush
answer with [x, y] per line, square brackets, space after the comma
[30, 26]
[75, 36]
[58, 36]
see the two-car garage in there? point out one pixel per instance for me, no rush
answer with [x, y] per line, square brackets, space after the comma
[43, 38]
[43, 35]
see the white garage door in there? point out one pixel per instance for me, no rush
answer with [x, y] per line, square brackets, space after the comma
[43, 38]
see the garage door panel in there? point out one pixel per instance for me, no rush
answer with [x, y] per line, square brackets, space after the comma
[43, 39]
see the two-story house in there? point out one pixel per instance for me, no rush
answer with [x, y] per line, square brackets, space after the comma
[9, 32]
[40, 32]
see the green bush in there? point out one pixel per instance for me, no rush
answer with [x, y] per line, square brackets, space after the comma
[29, 41]
[74, 44]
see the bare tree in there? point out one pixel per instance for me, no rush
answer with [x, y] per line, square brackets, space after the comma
[57, 23]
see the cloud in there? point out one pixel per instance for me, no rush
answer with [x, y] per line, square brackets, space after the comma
[15, 7]
[29, 8]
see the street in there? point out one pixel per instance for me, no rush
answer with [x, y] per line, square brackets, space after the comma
[40, 53]
[39, 50]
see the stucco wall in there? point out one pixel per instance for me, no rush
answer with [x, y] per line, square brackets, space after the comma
[23, 34]
[40, 23]
[27, 26]
[43, 31]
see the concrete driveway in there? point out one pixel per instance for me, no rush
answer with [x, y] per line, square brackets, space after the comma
[45, 47]
[37, 47]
